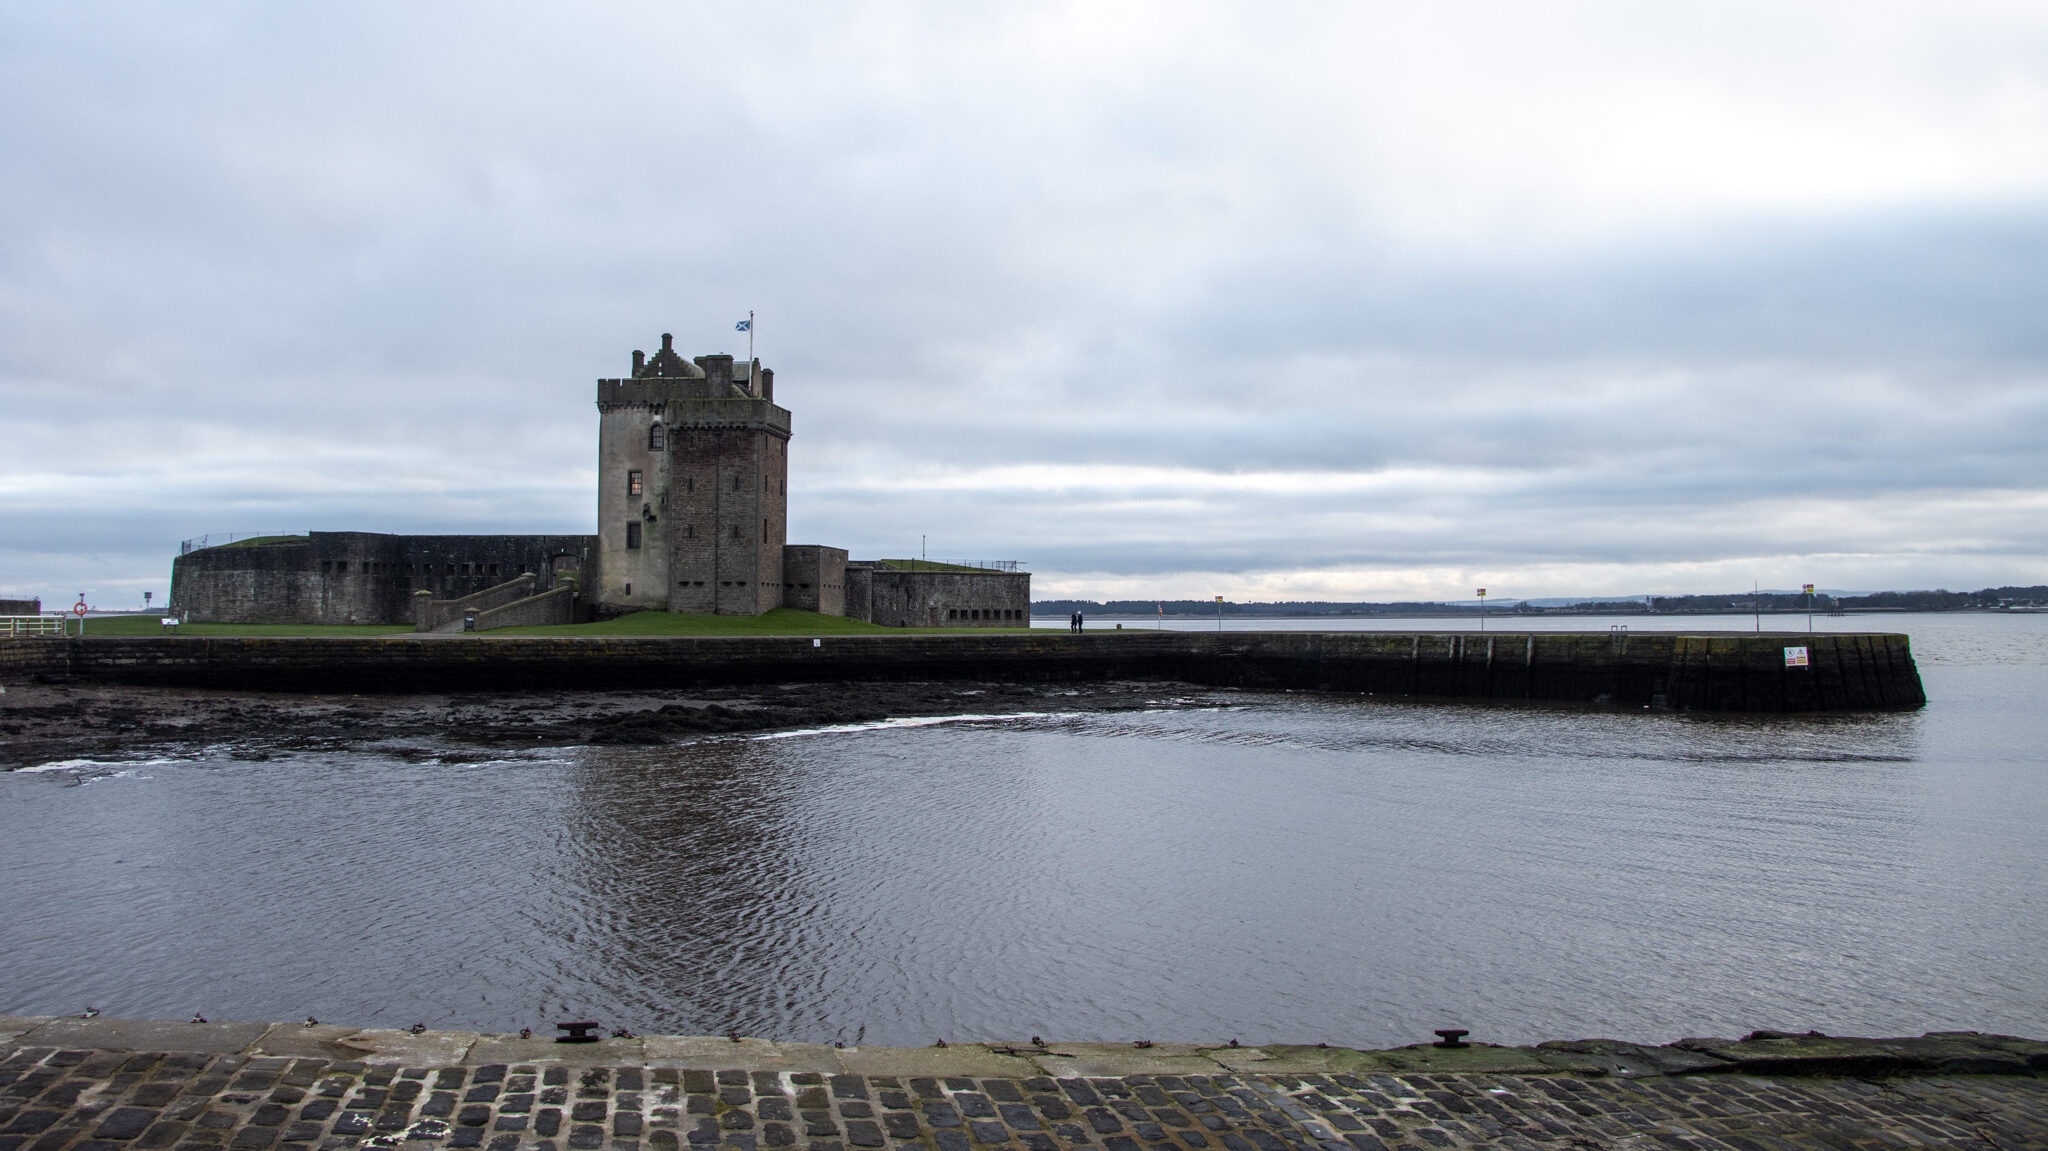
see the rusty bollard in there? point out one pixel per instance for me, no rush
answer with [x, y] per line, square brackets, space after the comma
[1452, 1037]
[577, 1032]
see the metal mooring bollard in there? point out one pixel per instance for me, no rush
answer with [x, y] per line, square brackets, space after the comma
[577, 1032]
[1452, 1037]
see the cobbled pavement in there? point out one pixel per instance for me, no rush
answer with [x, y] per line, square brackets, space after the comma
[69, 1100]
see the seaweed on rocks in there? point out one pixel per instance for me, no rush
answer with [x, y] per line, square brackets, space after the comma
[44, 723]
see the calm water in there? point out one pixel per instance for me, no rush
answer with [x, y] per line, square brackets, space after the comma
[1289, 868]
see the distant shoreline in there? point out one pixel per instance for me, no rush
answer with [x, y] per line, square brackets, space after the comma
[1512, 613]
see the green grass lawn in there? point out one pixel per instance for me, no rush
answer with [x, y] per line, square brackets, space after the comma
[781, 621]
[148, 625]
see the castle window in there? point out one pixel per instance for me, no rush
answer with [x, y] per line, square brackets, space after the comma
[633, 536]
[735, 483]
[735, 531]
[656, 438]
[689, 483]
[690, 531]
[952, 613]
[633, 483]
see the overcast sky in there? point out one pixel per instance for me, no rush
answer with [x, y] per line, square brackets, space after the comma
[1277, 302]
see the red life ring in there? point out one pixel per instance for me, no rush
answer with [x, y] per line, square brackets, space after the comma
[78, 608]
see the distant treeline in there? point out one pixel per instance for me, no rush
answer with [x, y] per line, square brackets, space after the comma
[1937, 600]
[1941, 599]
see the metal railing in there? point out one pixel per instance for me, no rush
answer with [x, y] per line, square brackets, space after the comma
[218, 539]
[929, 564]
[21, 625]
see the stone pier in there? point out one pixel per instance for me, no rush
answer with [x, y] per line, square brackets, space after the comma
[1728, 672]
[106, 1085]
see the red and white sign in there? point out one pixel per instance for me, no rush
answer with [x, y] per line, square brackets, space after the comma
[78, 608]
[1795, 657]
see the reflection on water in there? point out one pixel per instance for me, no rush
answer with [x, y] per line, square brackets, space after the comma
[1292, 867]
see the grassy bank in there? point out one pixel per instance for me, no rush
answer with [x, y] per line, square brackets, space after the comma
[781, 621]
[148, 625]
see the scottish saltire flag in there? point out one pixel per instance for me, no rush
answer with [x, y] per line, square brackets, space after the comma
[743, 326]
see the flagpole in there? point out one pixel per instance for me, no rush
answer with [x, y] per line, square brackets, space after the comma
[750, 339]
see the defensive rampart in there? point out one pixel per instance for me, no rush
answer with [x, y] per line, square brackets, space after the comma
[1753, 673]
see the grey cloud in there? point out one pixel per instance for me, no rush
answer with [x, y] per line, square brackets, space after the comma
[341, 268]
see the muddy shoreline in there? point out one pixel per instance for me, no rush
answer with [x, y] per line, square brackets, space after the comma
[45, 723]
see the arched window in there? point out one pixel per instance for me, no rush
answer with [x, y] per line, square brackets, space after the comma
[656, 438]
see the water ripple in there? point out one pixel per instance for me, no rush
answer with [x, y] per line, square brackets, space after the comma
[1290, 867]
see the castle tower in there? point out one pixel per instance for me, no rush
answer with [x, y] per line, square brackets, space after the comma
[693, 472]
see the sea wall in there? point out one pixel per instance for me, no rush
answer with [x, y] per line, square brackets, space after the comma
[1753, 673]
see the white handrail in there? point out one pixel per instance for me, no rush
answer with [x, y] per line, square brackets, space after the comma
[20, 625]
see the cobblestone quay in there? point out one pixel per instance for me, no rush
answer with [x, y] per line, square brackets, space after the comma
[105, 1085]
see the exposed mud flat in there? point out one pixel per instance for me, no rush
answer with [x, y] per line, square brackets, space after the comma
[43, 723]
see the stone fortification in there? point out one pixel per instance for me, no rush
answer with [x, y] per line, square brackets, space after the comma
[1681, 672]
[906, 593]
[21, 607]
[102, 1084]
[693, 512]
[359, 577]
[814, 579]
[693, 467]
[692, 516]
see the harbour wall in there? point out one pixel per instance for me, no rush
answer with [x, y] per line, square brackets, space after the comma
[1718, 673]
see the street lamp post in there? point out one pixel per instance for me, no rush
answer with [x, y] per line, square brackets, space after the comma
[1808, 589]
[1482, 609]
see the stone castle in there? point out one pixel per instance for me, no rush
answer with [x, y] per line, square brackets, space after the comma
[692, 516]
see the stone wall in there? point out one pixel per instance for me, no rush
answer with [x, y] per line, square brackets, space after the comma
[950, 598]
[814, 578]
[630, 523]
[21, 607]
[358, 577]
[728, 518]
[860, 591]
[1695, 673]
